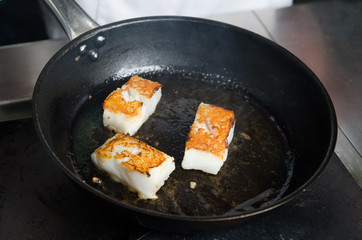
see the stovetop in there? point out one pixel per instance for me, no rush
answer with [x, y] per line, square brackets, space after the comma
[37, 201]
[324, 35]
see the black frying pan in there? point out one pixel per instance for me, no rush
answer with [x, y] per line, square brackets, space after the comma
[285, 130]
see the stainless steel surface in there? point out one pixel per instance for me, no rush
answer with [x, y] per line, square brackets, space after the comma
[326, 36]
[20, 66]
[71, 16]
[15, 109]
[348, 154]
[247, 20]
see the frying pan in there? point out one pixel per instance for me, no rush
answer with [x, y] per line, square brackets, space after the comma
[285, 121]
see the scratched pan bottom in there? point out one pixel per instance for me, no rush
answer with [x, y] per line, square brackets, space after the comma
[255, 174]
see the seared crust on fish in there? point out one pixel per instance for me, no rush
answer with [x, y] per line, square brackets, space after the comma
[209, 139]
[127, 108]
[137, 165]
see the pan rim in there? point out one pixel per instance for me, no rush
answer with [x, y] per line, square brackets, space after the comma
[139, 210]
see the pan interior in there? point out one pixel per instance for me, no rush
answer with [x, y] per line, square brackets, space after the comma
[256, 174]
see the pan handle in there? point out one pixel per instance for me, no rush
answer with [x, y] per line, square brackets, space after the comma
[71, 16]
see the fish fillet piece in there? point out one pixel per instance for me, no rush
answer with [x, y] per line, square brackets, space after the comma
[135, 164]
[209, 139]
[127, 108]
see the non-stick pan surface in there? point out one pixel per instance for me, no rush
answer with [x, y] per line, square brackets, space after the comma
[285, 121]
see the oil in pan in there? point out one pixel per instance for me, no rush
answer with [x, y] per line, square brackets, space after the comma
[256, 173]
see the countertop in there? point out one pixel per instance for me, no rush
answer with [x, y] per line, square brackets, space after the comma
[37, 201]
[327, 36]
